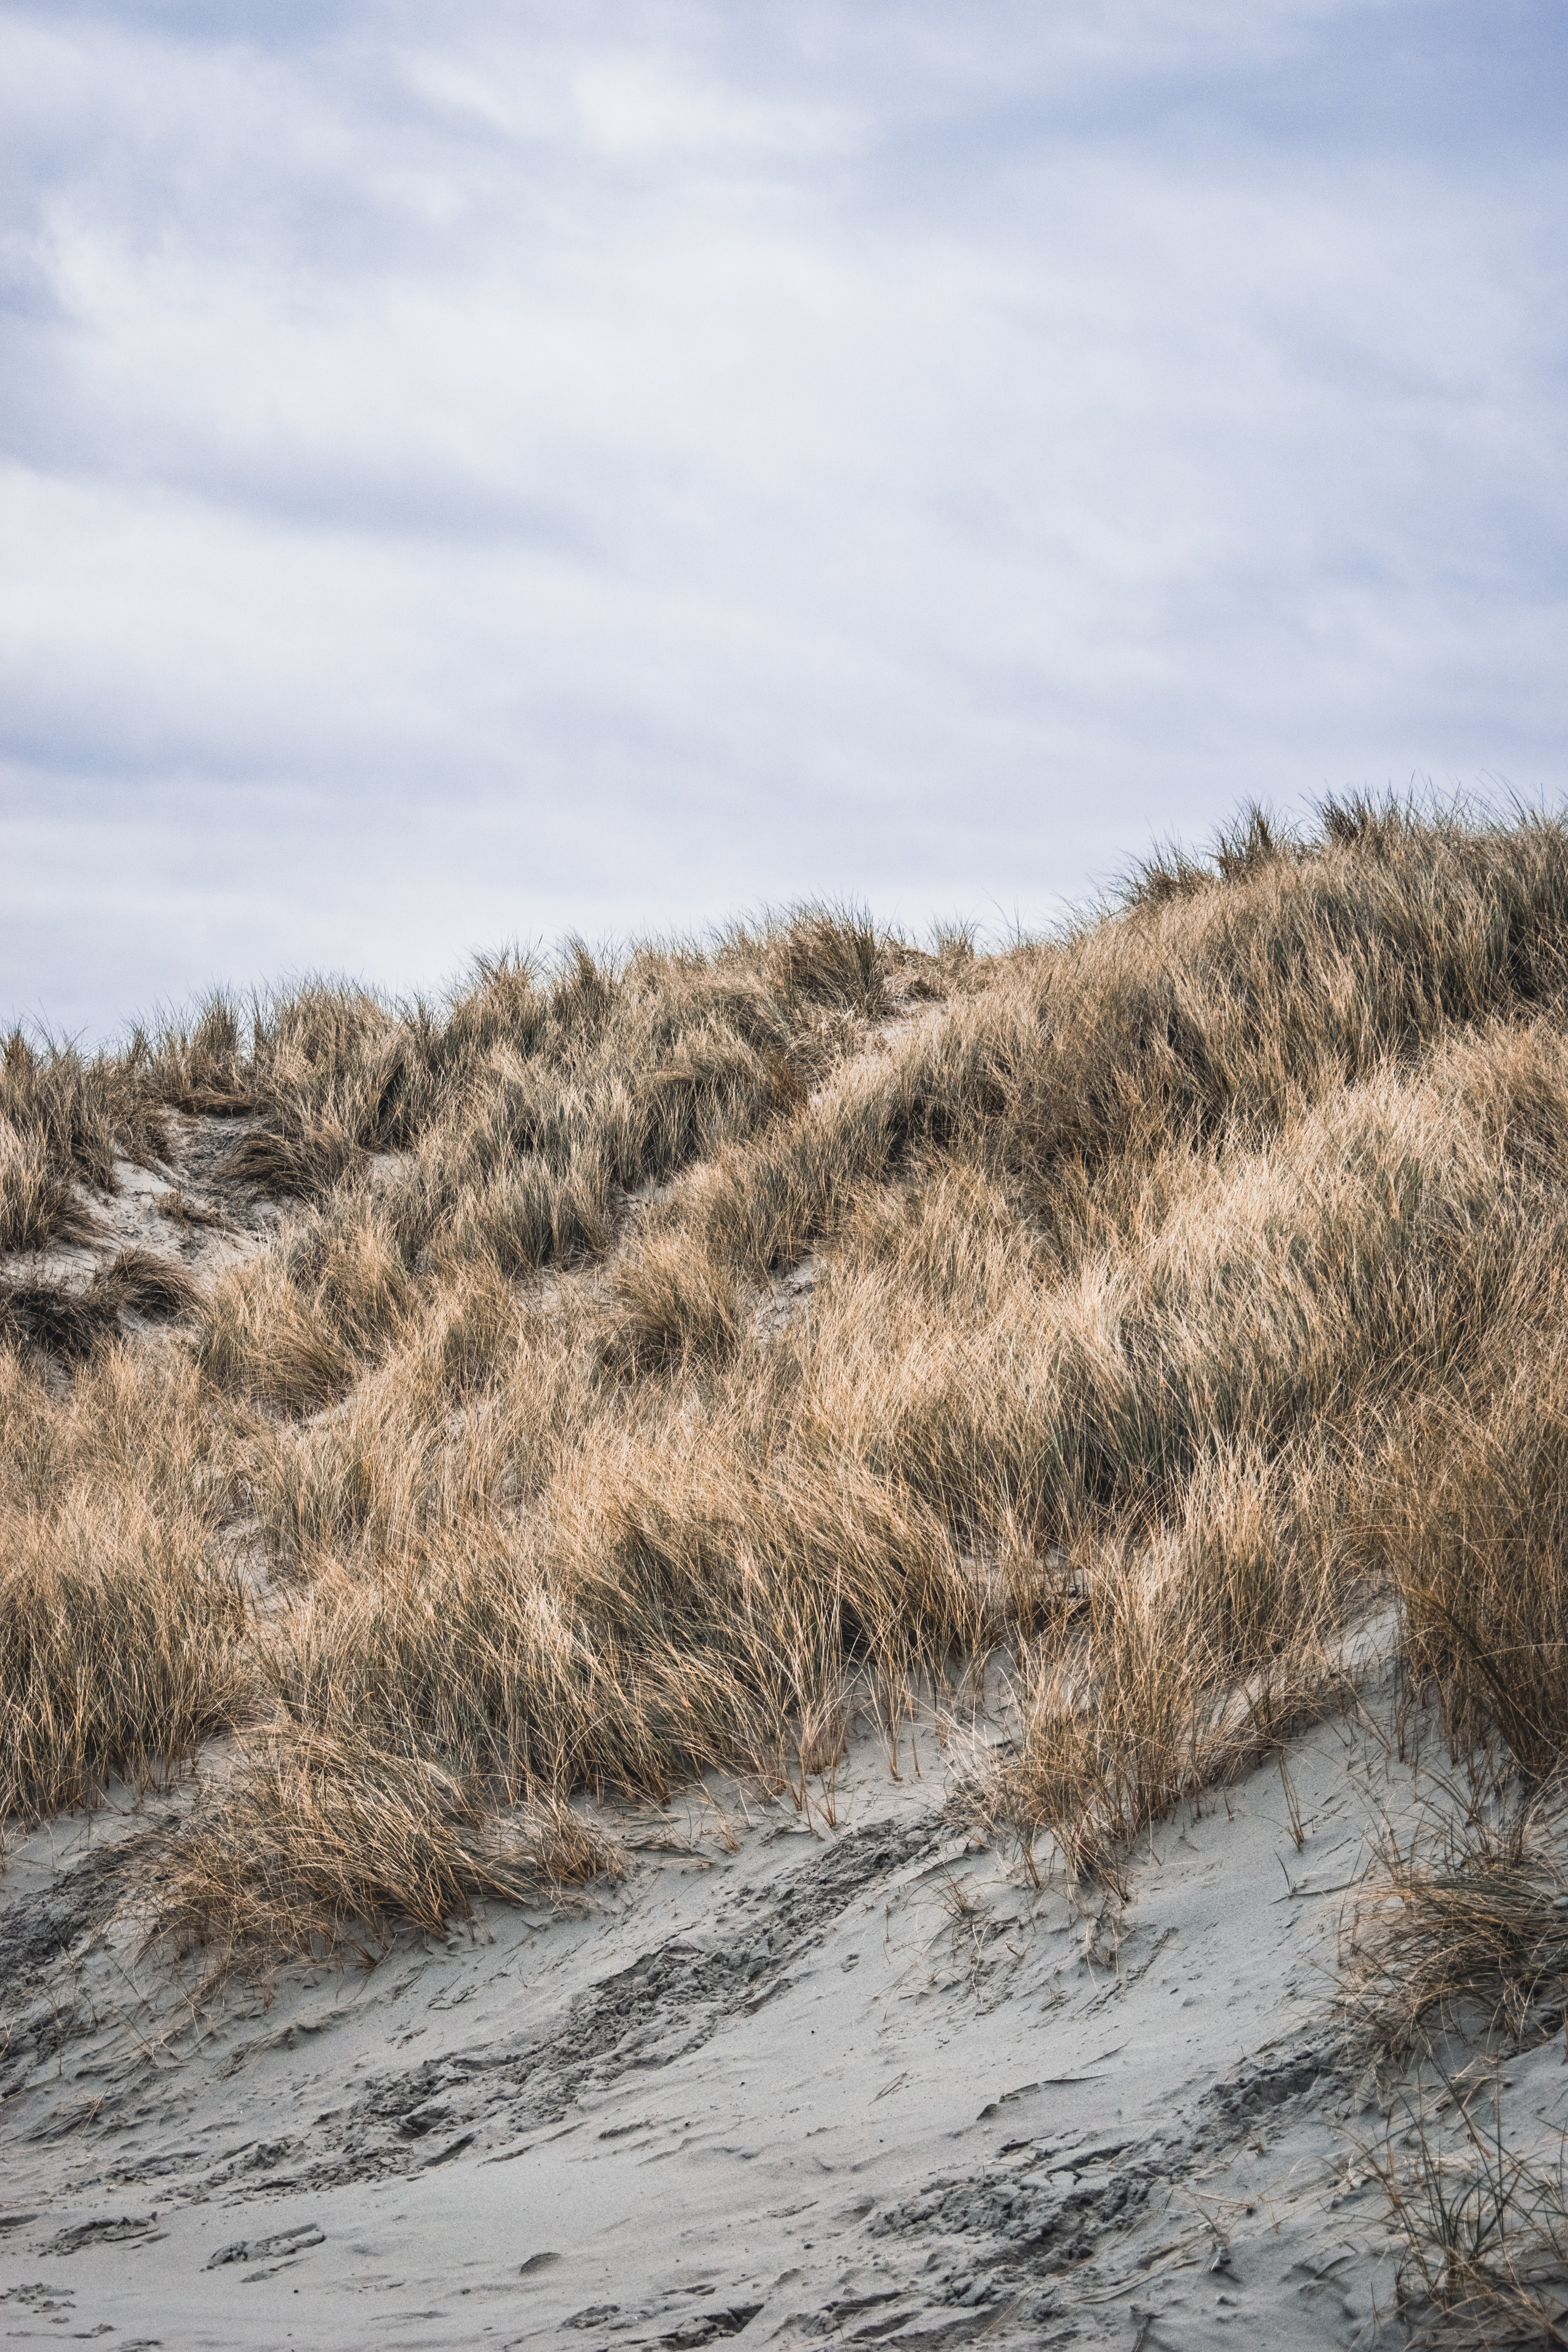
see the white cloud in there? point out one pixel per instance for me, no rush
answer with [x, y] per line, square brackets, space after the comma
[618, 464]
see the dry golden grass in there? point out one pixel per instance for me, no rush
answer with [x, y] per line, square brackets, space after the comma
[140, 1282]
[121, 1636]
[1469, 1515]
[325, 1844]
[673, 1300]
[48, 1319]
[1474, 1918]
[1183, 1651]
[1184, 1287]
[63, 1121]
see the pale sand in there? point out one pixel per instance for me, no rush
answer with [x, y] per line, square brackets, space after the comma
[856, 2084]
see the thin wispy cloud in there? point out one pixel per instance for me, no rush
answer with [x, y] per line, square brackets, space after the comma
[478, 474]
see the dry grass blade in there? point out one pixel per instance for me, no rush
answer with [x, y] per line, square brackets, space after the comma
[72, 1325]
[121, 1640]
[39, 1203]
[1471, 1517]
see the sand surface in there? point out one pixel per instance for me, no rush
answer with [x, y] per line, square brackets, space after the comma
[795, 2081]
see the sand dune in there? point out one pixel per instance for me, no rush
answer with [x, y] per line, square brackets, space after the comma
[683, 1378]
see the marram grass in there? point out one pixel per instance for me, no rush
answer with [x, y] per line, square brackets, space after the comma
[1181, 1291]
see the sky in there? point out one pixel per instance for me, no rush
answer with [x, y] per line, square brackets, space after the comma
[475, 473]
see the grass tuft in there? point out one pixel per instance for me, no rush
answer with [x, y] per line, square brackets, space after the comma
[323, 1844]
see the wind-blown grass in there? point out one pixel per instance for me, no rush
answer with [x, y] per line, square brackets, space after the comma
[120, 1634]
[63, 1121]
[1180, 1289]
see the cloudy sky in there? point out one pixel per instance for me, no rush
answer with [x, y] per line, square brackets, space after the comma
[477, 471]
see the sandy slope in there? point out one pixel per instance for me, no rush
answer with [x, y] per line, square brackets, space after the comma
[132, 1217]
[792, 2083]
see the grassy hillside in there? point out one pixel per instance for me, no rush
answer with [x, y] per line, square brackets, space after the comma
[645, 1352]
